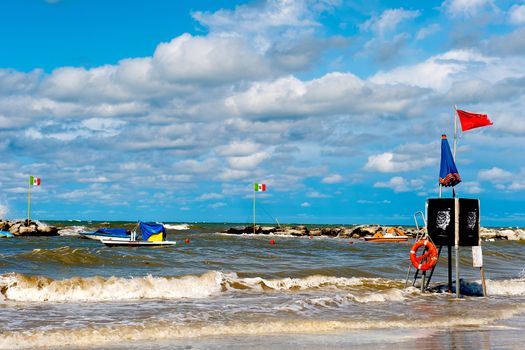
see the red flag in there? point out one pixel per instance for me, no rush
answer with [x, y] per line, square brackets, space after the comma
[472, 120]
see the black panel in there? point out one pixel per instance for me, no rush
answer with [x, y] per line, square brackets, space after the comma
[468, 222]
[440, 220]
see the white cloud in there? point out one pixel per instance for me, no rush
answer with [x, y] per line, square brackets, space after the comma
[471, 187]
[305, 205]
[213, 59]
[389, 162]
[4, 210]
[238, 148]
[248, 162]
[217, 205]
[233, 174]
[517, 14]
[437, 72]
[400, 184]
[387, 22]
[331, 94]
[315, 194]
[208, 196]
[332, 179]
[467, 8]
[495, 174]
[428, 31]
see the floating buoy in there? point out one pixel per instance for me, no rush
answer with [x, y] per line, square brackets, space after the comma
[187, 240]
[429, 257]
[272, 242]
[310, 237]
[350, 242]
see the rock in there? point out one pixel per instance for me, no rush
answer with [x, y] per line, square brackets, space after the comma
[345, 232]
[27, 231]
[366, 230]
[4, 225]
[47, 231]
[267, 230]
[314, 232]
[235, 230]
[15, 228]
[29, 228]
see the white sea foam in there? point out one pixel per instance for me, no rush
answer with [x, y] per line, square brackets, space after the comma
[179, 227]
[163, 330]
[18, 287]
[512, 287]
[71, 230]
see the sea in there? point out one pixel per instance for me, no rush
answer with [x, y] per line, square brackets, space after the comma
[218, 291]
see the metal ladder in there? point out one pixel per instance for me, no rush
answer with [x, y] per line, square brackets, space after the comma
[421, 234]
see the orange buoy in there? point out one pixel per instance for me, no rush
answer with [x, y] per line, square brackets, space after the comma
[429, 257]
[187, 240]
[272, 242]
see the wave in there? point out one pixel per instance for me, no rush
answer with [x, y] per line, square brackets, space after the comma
[71, 230]
[177, 226]
[83, 257]
[19, 287]
[164, 330]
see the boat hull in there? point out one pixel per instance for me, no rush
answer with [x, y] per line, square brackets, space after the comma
[128, 243]
[96, 236]
[386, 239]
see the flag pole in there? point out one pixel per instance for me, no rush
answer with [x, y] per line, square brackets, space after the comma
[28, 201]
[253, 208]
[456, 226]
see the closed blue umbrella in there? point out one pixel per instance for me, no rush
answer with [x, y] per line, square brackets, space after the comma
[448, 173]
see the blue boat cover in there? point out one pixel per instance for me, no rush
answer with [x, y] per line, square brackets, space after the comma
[113, 231]
[148, 229]
[448, 173]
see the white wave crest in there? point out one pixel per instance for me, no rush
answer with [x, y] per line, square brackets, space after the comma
[18, 287]
[71, 230]
[512, 287]
[179, 227]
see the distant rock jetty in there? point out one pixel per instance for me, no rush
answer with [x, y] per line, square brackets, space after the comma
[328, 231]
[361, 231]
[25, 228]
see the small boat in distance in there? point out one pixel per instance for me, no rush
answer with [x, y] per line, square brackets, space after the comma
[151, 235]
[391, 234]
[117, 234]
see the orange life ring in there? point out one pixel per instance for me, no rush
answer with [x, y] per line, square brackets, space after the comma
[429, 257]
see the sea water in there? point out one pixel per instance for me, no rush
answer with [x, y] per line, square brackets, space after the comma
[237, 291]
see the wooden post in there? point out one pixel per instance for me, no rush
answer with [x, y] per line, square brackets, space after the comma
[483, 284]
[449, 257]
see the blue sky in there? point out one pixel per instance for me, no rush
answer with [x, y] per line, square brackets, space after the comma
[170, 110]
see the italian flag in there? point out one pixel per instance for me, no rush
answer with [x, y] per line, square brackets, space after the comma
[259, 187]
[34, 181]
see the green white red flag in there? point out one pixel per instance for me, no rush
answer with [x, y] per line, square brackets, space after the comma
[259, 187]
[34, 181]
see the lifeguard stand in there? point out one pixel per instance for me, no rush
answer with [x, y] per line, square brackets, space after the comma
[453, 222]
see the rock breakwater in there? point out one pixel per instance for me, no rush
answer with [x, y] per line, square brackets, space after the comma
[360, 231]
[28, 228]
